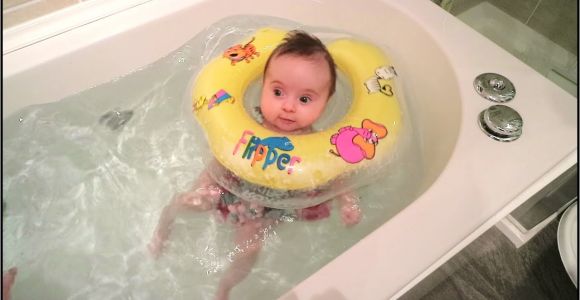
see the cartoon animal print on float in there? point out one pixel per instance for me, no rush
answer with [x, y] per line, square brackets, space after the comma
[378, 83]
[356, 144]
[241, 52]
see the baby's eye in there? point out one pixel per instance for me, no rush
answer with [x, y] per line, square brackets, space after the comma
[305, 99]
[277, 92]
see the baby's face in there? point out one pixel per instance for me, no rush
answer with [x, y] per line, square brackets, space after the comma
[295, 92]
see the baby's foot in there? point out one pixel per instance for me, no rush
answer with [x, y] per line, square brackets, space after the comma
[156, 245]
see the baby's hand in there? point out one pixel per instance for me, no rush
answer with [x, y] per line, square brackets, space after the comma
[7, 282]
[204, 197]
[351, 215]
[350, 212]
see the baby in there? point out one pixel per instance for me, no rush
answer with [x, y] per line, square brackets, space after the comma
[299, 79]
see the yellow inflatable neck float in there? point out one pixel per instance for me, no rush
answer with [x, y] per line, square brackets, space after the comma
[295, 171]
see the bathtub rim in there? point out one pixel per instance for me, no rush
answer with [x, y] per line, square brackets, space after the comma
[61, 21]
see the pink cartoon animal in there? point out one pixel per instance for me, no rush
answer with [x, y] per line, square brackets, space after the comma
[355, 144]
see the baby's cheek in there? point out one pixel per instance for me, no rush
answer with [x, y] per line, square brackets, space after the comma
[268, 118]
[266, 112]
[314, 116]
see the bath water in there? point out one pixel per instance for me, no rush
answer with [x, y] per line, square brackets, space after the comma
[85, 179]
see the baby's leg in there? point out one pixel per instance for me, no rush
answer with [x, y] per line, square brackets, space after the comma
[203, 195]
[248, 239]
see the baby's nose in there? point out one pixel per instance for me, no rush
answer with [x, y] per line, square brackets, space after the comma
[289, 106]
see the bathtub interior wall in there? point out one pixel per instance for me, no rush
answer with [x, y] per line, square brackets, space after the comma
[435, 104]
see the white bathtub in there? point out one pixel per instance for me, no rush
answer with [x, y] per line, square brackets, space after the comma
[472, 181]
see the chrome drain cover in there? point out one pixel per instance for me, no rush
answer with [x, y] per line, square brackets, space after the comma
[494, 87]
[501, 123]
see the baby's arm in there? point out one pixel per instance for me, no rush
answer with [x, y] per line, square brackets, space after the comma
[350, 211]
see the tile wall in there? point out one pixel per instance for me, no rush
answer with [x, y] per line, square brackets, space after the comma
[555, 19]
[541, 33]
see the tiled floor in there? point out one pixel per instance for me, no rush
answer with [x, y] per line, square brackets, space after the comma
[492, 268]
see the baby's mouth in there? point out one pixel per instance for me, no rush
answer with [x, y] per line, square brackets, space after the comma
[286, 121]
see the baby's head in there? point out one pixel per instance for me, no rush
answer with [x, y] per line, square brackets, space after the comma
[299, 78]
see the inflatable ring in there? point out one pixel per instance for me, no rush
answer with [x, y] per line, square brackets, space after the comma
[275, 162]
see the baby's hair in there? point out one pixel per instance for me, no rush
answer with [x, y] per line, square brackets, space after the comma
[300, 43]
